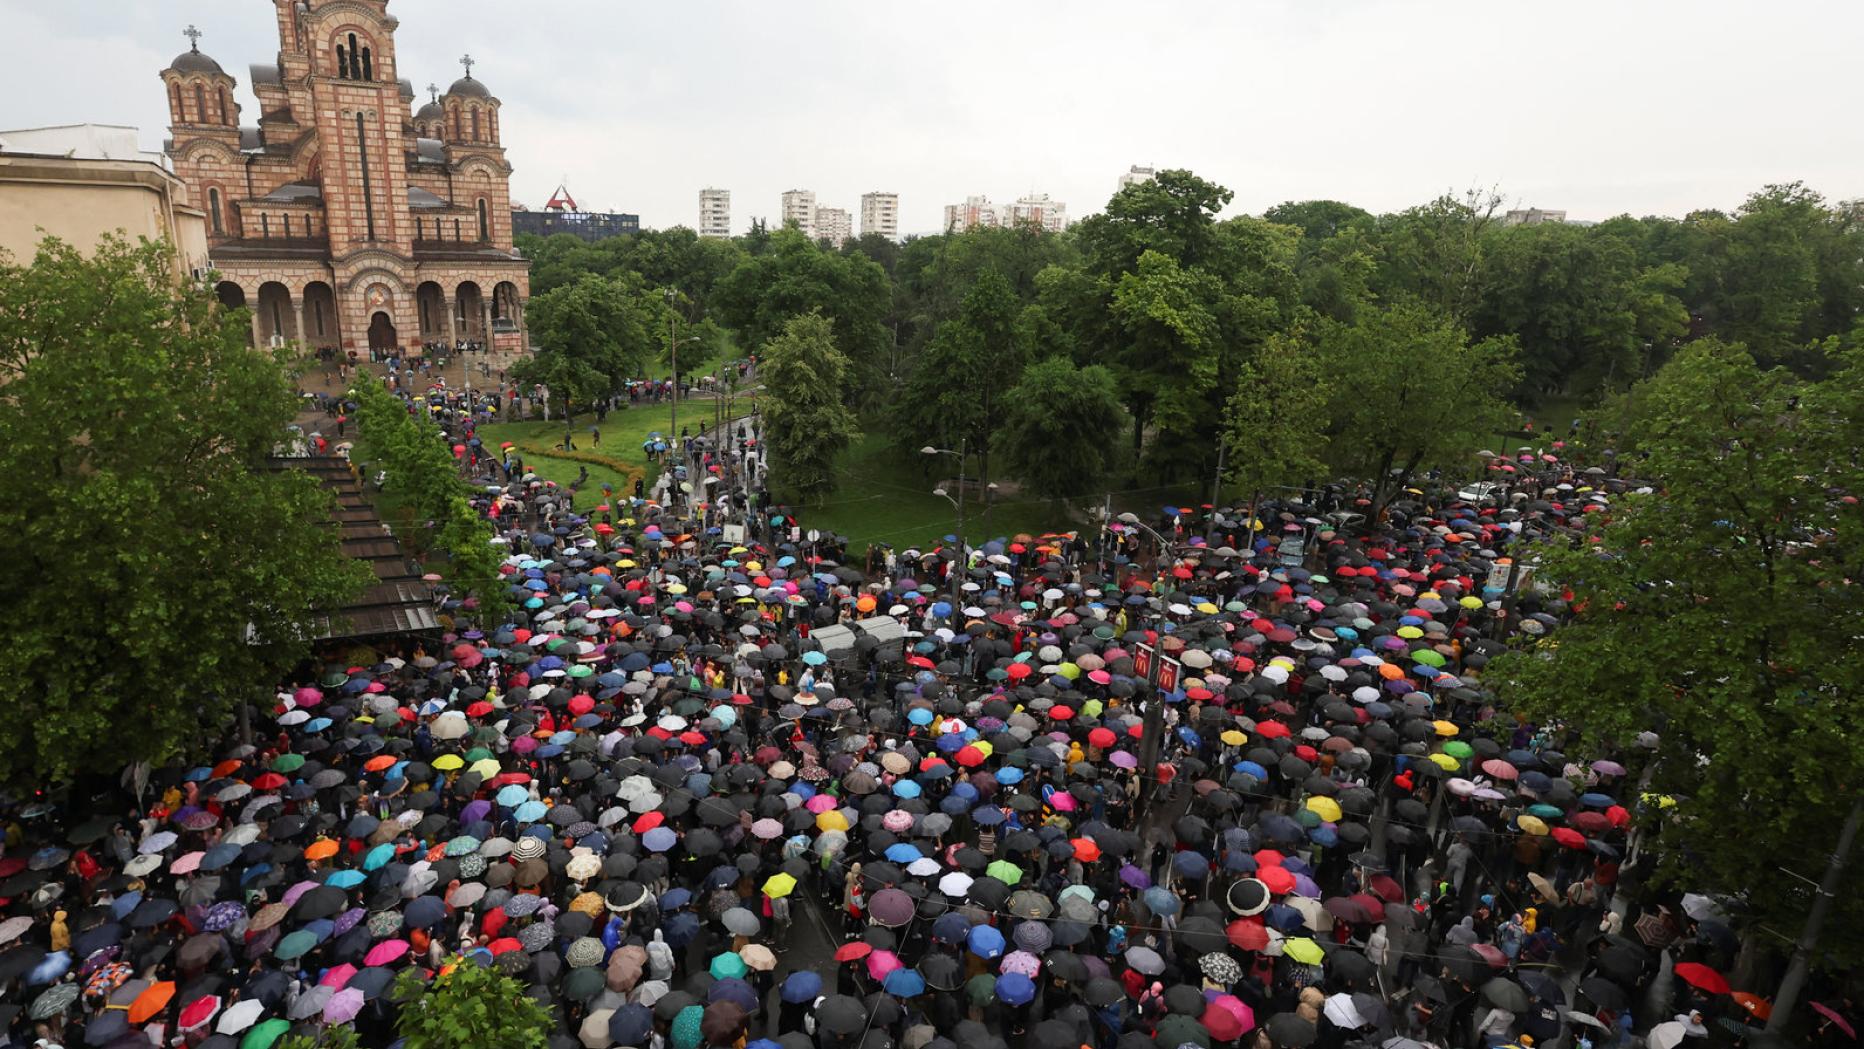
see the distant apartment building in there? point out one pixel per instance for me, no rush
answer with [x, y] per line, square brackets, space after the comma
[1039, 210]
[799, 208]
[975, 212]
[880, 214]
[834, 225]
[1532, 217]
[715, 213]
[1136, 174]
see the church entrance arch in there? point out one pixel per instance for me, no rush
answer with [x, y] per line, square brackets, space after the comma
[381, 333]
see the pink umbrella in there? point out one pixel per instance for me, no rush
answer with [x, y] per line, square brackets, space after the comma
[386, 952]
[1020, 962]
[187, 864]
[1061, 801]
[1499, 769]
[820, 803]
[343, 1006]
[307, 697]
[880, 963]
[898, 821]
[767, 829]
[338, 975]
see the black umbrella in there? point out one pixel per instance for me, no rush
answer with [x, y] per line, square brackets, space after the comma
[1290, 1031]
[1506, 994]
[1604, 993]
[841, 1014]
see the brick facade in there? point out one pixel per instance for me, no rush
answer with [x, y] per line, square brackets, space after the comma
[345, 218]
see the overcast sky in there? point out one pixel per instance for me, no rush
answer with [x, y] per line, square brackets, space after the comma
[1598, 106]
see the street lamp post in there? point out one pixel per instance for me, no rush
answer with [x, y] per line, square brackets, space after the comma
[673, 351]
[958, 503]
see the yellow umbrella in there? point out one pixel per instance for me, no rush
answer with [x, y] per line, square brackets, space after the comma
[985, 746]
[1303, 950]
[487, 768]
[449, 762]
[1471, 603]
[1445, 762]
[1207, 608]
[1531, 824]
[831, 820]
[1234, 738]
[1324, 807]
[1445, 729]
[780, 884]
[1410, 632]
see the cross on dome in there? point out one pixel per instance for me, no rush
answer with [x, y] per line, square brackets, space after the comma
[433, 90]
[194, 38]
[466, 60]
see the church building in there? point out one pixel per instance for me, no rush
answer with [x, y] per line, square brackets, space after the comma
[348, 219]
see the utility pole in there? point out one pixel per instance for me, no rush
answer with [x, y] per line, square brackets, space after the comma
[1788, 995]
[673, 351]
[1216, 487]
[958, 567]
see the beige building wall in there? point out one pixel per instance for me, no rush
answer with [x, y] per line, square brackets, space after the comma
[80, 201]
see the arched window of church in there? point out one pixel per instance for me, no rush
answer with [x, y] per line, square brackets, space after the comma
[265, 226]
[485, 226]
[223, 105]
[213, 209]
[355, 58]
[342, 63]
[456, 124]
[174, 98]
[368, 69]
[200, 104]
[456, 230]
[475, 125]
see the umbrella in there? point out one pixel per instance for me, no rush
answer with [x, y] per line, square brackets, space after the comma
[1701, 976]
[1505, 994]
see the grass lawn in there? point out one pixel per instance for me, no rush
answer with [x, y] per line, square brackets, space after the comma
[618, 459]
[878, 498]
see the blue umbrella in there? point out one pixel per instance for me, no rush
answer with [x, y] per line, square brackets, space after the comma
[988, 816]
[660, 839]
[906, 789]
[904, 983]
[985, 941]
[902, 852]
[1190, 865]
[1160, 900]
[1015, 989]
[345, 879]
[512, 795]
[951, 927]
[803, 985]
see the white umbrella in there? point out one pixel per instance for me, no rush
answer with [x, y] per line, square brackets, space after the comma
[450, 725]
[241, 1015]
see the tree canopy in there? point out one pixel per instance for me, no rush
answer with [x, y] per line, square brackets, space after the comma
[1719, 611]
[806, 421]
[466, 1006]
[135, 425]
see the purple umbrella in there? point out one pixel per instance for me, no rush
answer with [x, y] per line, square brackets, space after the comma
[476, 811]
[891, 907]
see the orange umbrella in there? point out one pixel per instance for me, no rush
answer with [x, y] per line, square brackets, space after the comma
[1087, 850]
[379, 762]
[227, 768]
[320, 850]
[1759, 1007]
[151, 1001]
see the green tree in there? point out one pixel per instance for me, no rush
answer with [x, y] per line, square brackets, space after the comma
[1169, 361]
[957, 383]
[1173, 214]
[591, 334]
[1433, 253]
[327, 1038]
[807, 422]
[1320, 220]
[1720, 611]
[468, 1006]
[1275, 422]
[1409, 391]
[794, 277]
[420, 471]
[136, 423]
[1055, 424]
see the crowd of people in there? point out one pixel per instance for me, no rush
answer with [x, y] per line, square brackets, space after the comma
[708, 785]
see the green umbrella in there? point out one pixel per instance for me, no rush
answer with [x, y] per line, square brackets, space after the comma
[288, 763]
[1178, 1029]
[477, 754]
[981, 990]
[1308, 819]
[262, 1036]
[1004, 871]
[1546, 811]
[1430, 657]
[728, 966]
[295, 944]
[1456, 748]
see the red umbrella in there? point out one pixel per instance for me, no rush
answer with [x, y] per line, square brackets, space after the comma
[1248, 935]
[1102, 737]
[1568, 837]
[1272, 730]
[1834, 1016]
[1085, 849]
[848, 952]
[1701, 976]
[1277, 879]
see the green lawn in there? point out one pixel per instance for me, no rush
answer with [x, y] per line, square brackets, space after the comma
[879, 498]
[623, 433]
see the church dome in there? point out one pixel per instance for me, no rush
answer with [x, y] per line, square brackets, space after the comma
[467, 87]
[430, 111]
[193, 61]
